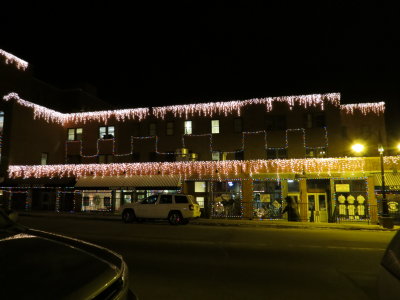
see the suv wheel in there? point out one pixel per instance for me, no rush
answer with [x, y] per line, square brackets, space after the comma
[175, 218]
[128, 215]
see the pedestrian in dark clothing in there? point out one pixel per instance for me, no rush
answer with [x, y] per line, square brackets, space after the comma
[291, 209]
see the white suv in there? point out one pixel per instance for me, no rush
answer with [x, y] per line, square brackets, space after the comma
[177, 209]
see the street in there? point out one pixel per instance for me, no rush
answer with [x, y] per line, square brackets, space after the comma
[220, 262]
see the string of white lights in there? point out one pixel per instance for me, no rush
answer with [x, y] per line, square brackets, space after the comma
[12, 59]
[206, 168]
[365, 108]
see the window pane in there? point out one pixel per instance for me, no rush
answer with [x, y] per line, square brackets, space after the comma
[188, 127]
[200, 201]
[215, 155]
[215, 126]
[111, 130]
[181, 199]
[170, 128]
[102, 159]
[79, 132]
[165, 199]
[71, 134]
[238, 125]
[200, 187]
[102, 132]
[152, 129]
[43, 160]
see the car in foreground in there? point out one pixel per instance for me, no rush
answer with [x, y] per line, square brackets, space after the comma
[176, 208]
[40, 265]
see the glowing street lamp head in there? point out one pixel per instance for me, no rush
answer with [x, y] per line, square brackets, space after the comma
[381, 149]
[358, 148]
[398, 147]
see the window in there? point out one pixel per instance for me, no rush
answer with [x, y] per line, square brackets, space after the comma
[136, 156]
[150, 200]
[181, 199]
[200, 201]
[314, 120]
[152, 129]
[275, 122]
[215, 155]
[315, 152]
[170, 128]
[106, 158]
[74, 159]
[239, 155]
[199, 186]
[188, 127]
[276, 153]
[166, 199]
[214, 126]
[106, 132]
[238, 125]
[43, 159]
[75, 134]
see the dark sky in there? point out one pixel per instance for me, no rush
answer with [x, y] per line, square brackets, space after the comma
[184, 52]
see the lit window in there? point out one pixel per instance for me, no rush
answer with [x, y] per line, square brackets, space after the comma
[170, 128]
[188, 127]
[315, 152]
[106, 132]
[214, 126]
[75, 134]
[200, 201]
[1, 121]
[200, 187]
[215, 155]
[152, 129]
[43, 159]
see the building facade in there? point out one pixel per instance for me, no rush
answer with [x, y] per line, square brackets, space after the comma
[240, 159]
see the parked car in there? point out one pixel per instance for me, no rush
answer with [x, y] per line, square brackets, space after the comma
[389, 271]
[177, 209]
[40, 265]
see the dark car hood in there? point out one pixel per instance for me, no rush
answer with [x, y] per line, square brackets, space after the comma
[39, 265]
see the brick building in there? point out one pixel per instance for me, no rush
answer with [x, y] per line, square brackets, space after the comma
[240, 159]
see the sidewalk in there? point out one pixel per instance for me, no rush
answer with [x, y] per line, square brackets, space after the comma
[218, 222]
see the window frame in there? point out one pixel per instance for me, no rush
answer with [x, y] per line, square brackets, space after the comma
[186, 128]
[107, 132]
[73, 132]
[214, 126]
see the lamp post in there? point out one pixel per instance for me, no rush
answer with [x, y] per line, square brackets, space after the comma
[384, 220]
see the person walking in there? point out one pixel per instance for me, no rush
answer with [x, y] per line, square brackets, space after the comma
[291, 209]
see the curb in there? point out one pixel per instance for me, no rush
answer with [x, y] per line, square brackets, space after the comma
[233, 223]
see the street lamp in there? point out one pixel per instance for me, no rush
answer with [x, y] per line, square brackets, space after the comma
[385, 220]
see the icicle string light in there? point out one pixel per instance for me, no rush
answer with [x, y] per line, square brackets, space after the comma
[365, 108]
[207, 168]
[50, 115]
[202, 109]
[234, 107]
[12, 59]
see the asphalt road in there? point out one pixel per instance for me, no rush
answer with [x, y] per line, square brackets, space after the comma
[214, 262]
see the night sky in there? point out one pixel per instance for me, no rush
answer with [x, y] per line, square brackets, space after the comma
[180, 53]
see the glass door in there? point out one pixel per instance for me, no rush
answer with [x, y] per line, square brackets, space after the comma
[317, 207]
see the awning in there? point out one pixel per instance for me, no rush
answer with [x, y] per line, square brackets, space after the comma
[130, 181]
[391, 180]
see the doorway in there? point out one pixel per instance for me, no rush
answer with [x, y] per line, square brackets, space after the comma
[317, 207]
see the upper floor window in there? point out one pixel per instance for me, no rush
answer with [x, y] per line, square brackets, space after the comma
[214, 126]
[238, 125]
[170, 128]
[275, 122]
[314, 120]
[106, 132]
[106, 158]
[316, 152]
[188, 127]
[215, 155]
[75, 134]
[43, 158]
[152, 129]
[276, 153]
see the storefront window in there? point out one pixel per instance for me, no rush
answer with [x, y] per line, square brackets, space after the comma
[226, 199]
[351, 200]
[96, 200]
[267, 199]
